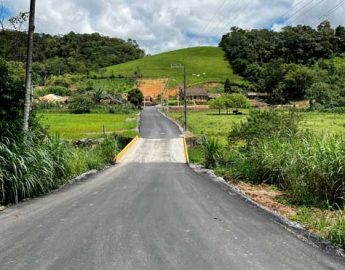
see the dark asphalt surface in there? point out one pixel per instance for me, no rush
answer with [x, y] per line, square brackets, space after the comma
[154, 126]
[149, 216]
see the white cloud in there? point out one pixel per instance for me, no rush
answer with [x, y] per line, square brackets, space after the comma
[161, 25]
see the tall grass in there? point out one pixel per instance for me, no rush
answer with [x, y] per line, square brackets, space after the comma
[310, 168]
[30, 167]
[34, 164]
[212, 151]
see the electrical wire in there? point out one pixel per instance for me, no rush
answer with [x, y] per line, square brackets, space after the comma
[306, 11]
[214, 16]
[329, 12]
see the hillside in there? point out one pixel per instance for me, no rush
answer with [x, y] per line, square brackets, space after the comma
[203, 64]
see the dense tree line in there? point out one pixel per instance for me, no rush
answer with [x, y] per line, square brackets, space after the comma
[292, 64]
[70, 53]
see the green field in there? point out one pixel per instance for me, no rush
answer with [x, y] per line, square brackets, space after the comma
[213, 125]
[207, 62]
[78, 126]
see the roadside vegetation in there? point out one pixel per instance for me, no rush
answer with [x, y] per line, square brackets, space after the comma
[80, 118]
[276, 147]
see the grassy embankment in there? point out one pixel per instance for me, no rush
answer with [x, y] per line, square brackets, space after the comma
[203, 64]
[308, 168]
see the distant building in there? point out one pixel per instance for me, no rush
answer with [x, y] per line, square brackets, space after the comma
[253, 95]
[214, 95]
[52, 98]
[196, 94]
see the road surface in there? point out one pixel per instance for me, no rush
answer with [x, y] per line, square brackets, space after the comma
[150, 212]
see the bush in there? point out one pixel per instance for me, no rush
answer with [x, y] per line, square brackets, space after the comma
[212, 152]
[136, 97]
[81, 104]
[121, 109]
[265, 124]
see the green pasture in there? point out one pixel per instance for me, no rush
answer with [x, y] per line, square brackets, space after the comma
[78, 126]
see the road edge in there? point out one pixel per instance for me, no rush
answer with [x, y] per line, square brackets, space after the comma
[185, 149]
[172, 120]
[295, 228]
[120, 155]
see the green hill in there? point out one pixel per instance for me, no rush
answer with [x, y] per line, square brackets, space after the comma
[204, 64]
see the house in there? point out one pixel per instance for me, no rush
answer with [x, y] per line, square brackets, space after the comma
[214, 95]
[253, 95]
[52, 98]
[195, 94]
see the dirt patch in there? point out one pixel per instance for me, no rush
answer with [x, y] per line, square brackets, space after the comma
[267, 196]
[153, 87]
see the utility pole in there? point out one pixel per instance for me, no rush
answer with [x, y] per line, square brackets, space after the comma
[185, 97]
[28, 83]
[184, 92]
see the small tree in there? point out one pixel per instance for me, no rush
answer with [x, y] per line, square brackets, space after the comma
[227, 86]
[81, 104]
[136, 97]
[237, 101]
[217, 104]
[324, 94]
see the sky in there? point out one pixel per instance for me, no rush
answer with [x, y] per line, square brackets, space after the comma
[164, 25]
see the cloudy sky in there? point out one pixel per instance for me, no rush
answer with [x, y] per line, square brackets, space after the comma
[162, 25]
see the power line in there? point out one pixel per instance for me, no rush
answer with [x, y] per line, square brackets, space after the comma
[306, 11]
[233, 16]
[222, 17]
[287, 13]
[329, 12]
[296, 12]
[214, 16]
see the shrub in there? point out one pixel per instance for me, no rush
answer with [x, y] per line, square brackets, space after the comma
[121, 109]
[136, 97]
[265, 124]
[212, 152]
[81, 104]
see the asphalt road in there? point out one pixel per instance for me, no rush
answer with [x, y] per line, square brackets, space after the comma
[150, 212]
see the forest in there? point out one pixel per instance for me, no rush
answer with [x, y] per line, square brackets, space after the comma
[299, 62]
[70, 53]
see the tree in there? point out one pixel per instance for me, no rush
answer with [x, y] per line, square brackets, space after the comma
[227, 86]
[18, 21]
[297, 80]
[237, 101]
[217, 104]
[11, 90]
[136, 97]
[324, 94]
